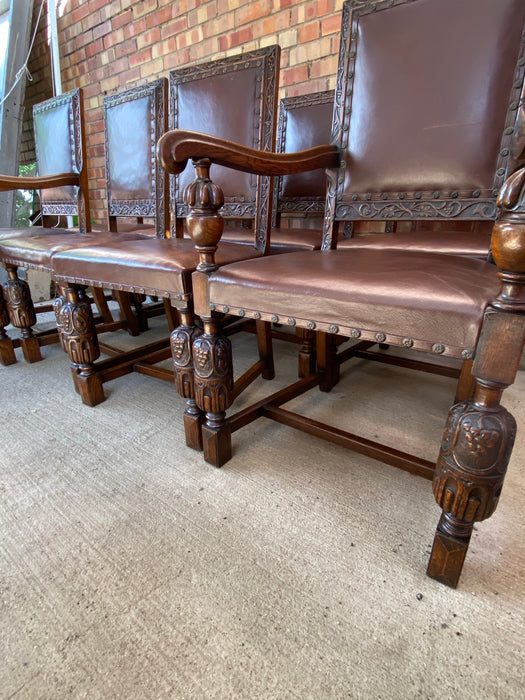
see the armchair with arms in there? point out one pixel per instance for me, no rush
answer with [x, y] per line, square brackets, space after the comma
[422, 132]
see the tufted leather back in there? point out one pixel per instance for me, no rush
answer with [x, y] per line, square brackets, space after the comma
[427, 108]
[134, 121]
[234, 98]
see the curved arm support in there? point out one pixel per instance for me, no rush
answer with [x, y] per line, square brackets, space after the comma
[38, 182]
[508, 243]
[175, 148]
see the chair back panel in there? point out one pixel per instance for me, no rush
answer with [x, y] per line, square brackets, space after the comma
[58, 146]
[304, 121]
[134, 121]
[426, 105]
[234, 98]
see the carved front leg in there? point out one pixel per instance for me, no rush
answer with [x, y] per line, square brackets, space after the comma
[212, 358]
[480, 433]
[469, 477]
[7, 351]
[22, 313]
[182, 339]
[79, 339]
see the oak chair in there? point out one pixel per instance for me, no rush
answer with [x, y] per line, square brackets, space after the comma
[431, 134]
[62, 181]
[238, 93]
[60, 147]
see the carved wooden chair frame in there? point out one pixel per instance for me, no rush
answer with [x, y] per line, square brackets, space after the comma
[157, 204]
[478, 439]
[72, 201]
[82, 345]
[257, 209]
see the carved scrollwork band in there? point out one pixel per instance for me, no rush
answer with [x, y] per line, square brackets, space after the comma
[420, 209]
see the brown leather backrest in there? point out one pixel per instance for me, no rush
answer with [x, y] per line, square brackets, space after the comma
[134, 120]
[304, 121]
[427, 99]
[59, 146]
[234, 98]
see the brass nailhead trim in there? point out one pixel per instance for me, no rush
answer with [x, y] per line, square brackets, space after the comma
[225, 309]
[241, 312]
[275, 319]
[310, 325]
[380, 337]
[334, 329]
[291, 321]
[356, 333]
[408, 342]
[257, 315]
[438, 348]
[467, 354]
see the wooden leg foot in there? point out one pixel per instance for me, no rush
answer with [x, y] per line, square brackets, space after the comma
[90, 388]
[31, 349]
[216, 443]
[449, 550]
[193, 421]
[7, 351]
[79, 340]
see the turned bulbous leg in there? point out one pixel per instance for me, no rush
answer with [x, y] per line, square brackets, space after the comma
[22, 313]
[469, 476]
[79, 339]
[181, 340]
[212, 358]
[7, 350]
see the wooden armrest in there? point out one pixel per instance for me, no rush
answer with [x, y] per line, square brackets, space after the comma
[512, 192]
[175, 148]
[38, 182]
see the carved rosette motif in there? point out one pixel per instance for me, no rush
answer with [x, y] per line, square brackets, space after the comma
[77, 331]
[212, 360]
[181, 340]
[473, 460]
[19, 303]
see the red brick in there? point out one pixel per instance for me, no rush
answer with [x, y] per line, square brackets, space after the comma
[252, 12]
[293, 75]
[122, 19]
[332, 24]
[140, 57]
[174, 27]
[309, 32]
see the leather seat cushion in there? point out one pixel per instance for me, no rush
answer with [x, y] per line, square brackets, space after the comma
[415, 299]
[37, 250]
[467, 243]
[28, 231]
[282, 240]
[162, 267]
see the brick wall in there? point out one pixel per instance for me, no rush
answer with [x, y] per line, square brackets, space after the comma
[108, 46]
